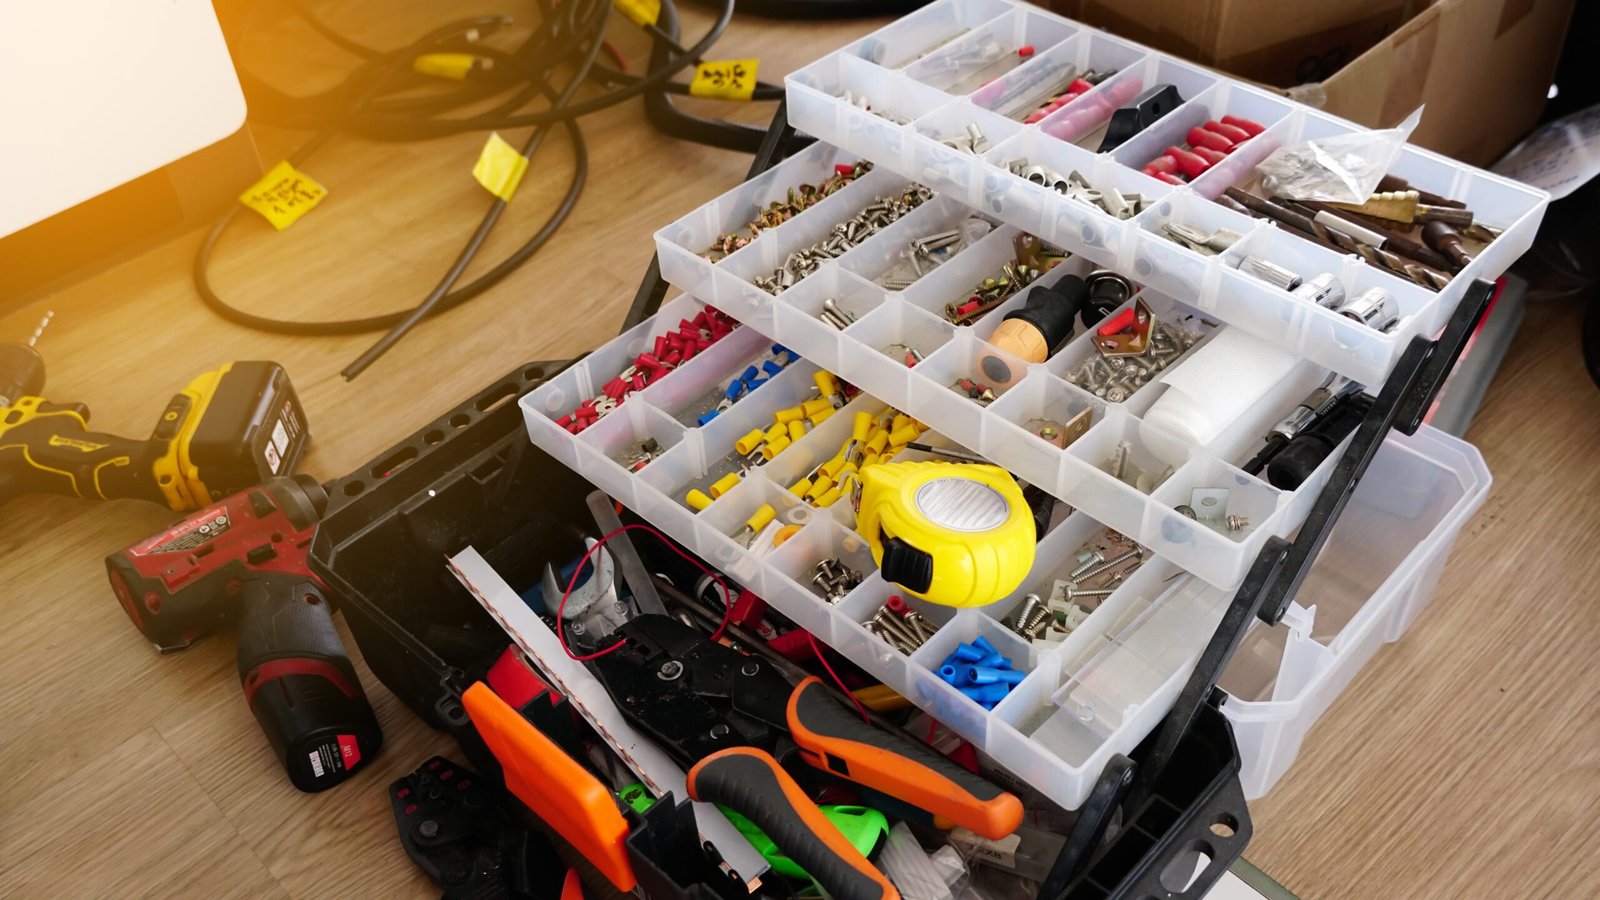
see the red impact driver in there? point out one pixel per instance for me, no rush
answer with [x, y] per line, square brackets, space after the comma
[242, 561]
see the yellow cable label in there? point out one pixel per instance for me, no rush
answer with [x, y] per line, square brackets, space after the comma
[444, 65]
[500, 167]
[639, 12]
[724, 79]
[283, 195]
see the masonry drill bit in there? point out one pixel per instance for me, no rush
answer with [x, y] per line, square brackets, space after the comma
[43, 324]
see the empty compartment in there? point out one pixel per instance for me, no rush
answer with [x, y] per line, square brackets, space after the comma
[964, 368]
[1114, 469]
[893, 335]
[809, 315]
[921, 33]
[989, 51]
[1050, 415]
[1209, 499]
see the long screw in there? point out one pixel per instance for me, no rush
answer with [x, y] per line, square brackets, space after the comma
[1110, 564]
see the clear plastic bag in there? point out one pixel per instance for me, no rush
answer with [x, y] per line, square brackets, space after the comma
[1344, 168]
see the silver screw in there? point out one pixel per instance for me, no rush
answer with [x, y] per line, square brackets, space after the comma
[1237, 523]
[1112, 563]
[1074, 593]
[670, 670]
[1088, 561]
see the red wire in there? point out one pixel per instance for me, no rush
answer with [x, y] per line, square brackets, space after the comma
[836, 679]
[615, 54]
[561, 631]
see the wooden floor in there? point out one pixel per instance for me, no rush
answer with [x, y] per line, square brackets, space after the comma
[1464, 762]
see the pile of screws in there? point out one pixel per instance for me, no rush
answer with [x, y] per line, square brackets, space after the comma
[836, 315]
[779, 211]
[1076, 187]
[901, 626]
[981, 672]
[671, 350]
[1103, 563]
[832, 579]
[929, 252]
[1032, 259]
[845, 236]
[1115, 378]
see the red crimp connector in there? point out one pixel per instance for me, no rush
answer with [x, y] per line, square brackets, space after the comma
[1025, 51]
[1250, 128]
[615, 388]
[1231, 132]
[1116, 323]
[1188, 163]
[1209, 155]
[1199, 137]
[842, 169]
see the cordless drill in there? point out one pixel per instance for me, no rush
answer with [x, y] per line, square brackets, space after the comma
[242, 561]
[230, 428]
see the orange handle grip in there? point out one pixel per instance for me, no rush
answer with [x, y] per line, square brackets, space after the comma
[553, 785]
[751, 783]
[833, 740]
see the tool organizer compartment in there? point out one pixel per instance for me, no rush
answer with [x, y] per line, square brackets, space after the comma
[870, 353]
[898, 95]
[1098, 692]
[1374, 576]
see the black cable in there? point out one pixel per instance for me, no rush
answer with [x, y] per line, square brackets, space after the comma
[444, 302]
[427, 306]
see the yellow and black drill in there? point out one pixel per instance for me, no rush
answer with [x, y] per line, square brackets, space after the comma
[230, 429]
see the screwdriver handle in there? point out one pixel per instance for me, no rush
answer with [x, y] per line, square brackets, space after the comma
[831, 739]
[751, 783]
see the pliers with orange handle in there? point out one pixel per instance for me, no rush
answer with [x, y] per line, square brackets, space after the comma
[730, 718]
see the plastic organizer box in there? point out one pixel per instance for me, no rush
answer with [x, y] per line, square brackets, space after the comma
[1098, 692]
[861, 354]
[895, 96]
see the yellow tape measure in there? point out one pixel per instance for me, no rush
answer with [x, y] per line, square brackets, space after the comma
[956, 534]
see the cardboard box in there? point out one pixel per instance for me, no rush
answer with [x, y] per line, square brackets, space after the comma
[1482, 67]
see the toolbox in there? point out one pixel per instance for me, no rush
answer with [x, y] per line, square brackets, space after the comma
[1122, 715]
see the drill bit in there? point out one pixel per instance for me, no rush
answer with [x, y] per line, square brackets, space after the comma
[1334, 240]
[44, 323]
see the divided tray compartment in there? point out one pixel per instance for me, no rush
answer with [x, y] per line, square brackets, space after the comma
[1115, 673]
[934, 110]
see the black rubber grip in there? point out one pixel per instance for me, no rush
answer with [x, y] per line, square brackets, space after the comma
[832, 739]
[751, 783]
